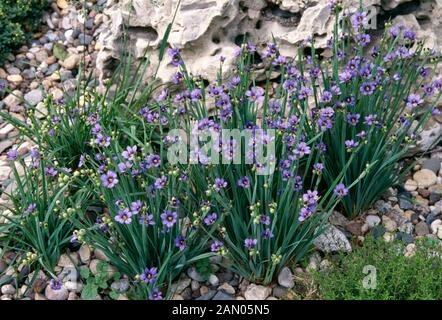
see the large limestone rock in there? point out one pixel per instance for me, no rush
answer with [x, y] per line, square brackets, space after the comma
[205, 30]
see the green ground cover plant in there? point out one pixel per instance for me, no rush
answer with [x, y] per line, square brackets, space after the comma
[18, 20]
[397, 277]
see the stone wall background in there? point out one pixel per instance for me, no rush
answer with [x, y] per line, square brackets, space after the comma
[204, 30]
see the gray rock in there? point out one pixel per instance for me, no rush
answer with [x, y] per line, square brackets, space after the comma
[332, 240]
[389, 224]
[71, 34]
[67, 261]
[13, 99]
[85, 39]
[100, 255]
[279, 292]
[405, 237]
[195, 285]
[28, 74]
[422, 229]
[225, 276]
[222, 296]
[338, 219]
[33, 97]
[71, 61]
[89, 24]
[194, 275]
[285, 278]
[432, 164]
[52, 37]
[52, 68]
[405, 203]
[406, 227]
[382, 206]
[207, 296]
[180, 285]
[120, 286]
[372, 220]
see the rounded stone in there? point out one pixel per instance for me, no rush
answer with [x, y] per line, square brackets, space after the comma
[425, 178]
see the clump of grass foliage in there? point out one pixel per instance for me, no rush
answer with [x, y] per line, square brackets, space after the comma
[18, 19]
[379, 270]
[374, 96]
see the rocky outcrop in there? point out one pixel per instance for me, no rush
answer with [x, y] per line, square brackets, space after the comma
[205, 30]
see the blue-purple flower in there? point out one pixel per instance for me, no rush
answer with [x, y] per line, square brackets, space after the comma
[302, 149]
[353, 118]
[267, 233]
[363, 39]
[264, 219]
[175, 58]
[414, 100]
[367, 88]
[160, 182]
[168, 219]
[244, 182]
[350, 145]
[129, 153]
[102, 140]
[109, 179]
[156, 295]
[250, 243]
[12, 155]
[216, 246]
[124, 216]
[146, 220]
[340, 190]
[149, 275]
[358, 19]
[210, 219]
[219, 184]
[255, 94]
[55, 284]
[180, 242]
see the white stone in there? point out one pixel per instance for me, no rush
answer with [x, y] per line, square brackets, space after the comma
[425, 178]
[372, 220]
[410, 185]
[389, 224]
[257, 292]
[436, 228]
[213, 280]
[332, 240]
